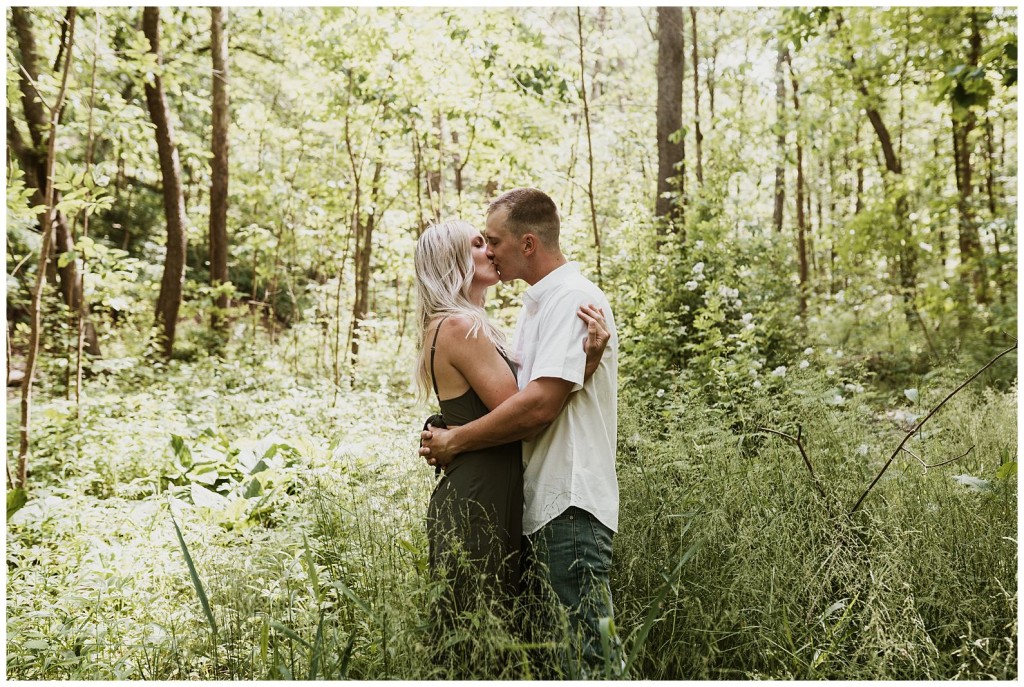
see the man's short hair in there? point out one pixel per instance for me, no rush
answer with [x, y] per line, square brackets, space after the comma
[530, 210]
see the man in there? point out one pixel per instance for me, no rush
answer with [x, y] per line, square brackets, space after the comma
[569, 484]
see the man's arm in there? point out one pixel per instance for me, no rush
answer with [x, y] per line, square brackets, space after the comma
[520, 416]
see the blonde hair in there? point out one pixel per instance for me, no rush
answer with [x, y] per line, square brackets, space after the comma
[444, 275]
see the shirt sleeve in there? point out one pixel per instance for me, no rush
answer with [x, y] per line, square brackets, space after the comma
[560, 351]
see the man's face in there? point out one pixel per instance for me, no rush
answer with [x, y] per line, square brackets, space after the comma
[503, 247]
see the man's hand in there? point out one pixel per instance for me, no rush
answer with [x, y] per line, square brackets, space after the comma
[598, 336]
[434, 446]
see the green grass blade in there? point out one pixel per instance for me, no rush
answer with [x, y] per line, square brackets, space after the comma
[649, 621]
[345, 656]
[318, 646]
[195, 578]
[289, 632]
[314, 578]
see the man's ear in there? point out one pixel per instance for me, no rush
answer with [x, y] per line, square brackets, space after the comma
[529, 244]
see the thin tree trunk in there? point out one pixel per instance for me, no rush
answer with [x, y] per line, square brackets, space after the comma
[698, 137]
[169, 300]
[35, 157]
[590, 151]
[418, 171]
[907, 256]
[780, 138]
[219, 164]
[670, 73]
[364, 253]
[972, 264]
[85, 328]
[801, 221]
[35, 310]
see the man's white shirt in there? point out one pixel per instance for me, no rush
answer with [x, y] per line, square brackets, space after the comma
[571, 462]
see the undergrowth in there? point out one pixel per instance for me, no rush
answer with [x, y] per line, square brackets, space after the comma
[301, 507]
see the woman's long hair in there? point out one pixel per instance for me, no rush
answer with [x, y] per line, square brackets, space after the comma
[444, 275]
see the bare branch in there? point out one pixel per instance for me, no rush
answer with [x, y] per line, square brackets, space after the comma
[799, 444]
[926, 466]
[921, 423]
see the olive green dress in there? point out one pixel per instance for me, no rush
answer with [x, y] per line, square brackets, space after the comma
[475, 518]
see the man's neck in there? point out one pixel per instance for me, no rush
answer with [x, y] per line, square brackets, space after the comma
[544, 265]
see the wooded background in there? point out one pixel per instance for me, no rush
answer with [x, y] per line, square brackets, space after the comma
[752, 188]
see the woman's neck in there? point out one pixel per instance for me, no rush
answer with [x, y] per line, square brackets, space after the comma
[478, 295]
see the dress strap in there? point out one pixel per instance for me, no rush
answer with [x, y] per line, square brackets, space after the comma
[433, 348]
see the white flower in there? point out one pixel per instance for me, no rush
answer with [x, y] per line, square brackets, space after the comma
[830, 372]
[862, 449]
[738, 303]
[780, 371]
[804, 364]
[839, 353]
[808, 351]
[661, 392]
[698, 244]
[747, 317]
[690, 285]
[756, 384]
[698, 268]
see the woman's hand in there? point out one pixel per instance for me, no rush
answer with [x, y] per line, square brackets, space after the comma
[598, 336]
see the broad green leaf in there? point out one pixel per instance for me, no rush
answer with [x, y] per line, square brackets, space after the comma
[203, 497]
[16, 498]
[1007, 469]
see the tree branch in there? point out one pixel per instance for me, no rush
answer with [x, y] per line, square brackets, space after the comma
[799, 444]
[926, 466]
[920, 424]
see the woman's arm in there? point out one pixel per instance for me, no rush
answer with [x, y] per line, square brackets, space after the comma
[477, 361]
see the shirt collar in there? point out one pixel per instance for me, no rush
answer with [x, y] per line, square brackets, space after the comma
[551, 281]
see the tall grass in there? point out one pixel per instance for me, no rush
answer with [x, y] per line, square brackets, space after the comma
[728, 562]
[784, 584]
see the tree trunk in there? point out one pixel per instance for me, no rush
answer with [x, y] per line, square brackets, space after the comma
[698, 137]
[801, 219]
[364, 252]
[169, 300]
[780, 138]
[33, 160]
[35, 311]
[972, 265]
[906, 254]
[590, 151]
[219, 163]
[670, 72]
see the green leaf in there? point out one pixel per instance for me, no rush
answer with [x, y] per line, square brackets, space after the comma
[16, 498]
[181, 451]
[1007, 469]
[314, 578]
[288, 632]
[195, 578]
[253, 489]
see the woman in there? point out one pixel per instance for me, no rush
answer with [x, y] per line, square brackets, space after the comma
[474, 521]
